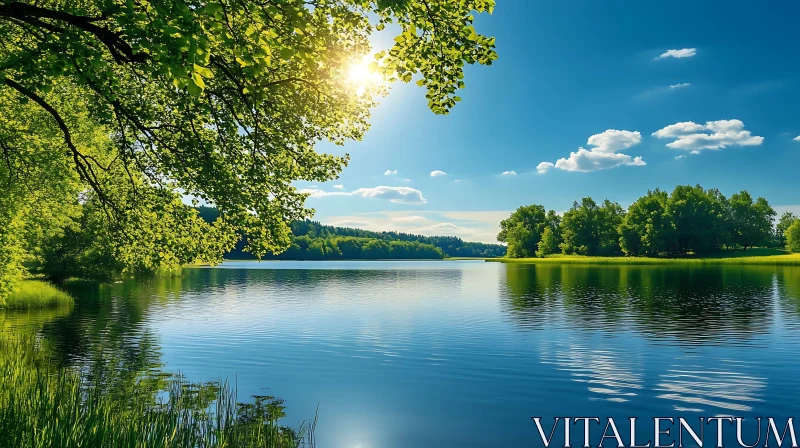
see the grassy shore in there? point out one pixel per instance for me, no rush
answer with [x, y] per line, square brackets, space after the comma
[32, 294]
[758, 256]
[46, 406]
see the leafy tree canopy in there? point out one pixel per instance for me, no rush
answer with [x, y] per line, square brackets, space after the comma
[647, 228]
[138, 102]
[785, 221]
[523, 230]
[548, 244]
[689, 220]
[751, 221]
[793, 236]
[591, 229]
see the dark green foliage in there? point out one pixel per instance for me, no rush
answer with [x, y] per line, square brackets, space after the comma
[591, 229]
[549, 242]
[350, 248]
[647, 228]
[750, 221]
[699, 219]
[787, 219]
[522, 230]
[690, 220]
[793, 236]
[694, 220]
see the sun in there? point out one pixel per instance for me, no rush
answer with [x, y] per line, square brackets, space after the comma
[360, 76]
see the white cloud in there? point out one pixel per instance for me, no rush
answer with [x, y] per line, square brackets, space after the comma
[797, 139]
[719, 134]
[389, 172]
[586, 160]
[543, 167]
[682, 53]
[437, 173]
[637, 161]
[397, 195]
[410, 219]
[682, 156]
[695, 152]
[509, 173]
[315, 192]
[338, 186]
[613, 140]
[405, 180]
[680, 86]
[602, 156]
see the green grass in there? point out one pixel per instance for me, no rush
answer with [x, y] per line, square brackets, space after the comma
[46, 406]
[32, 294]
[758, 256]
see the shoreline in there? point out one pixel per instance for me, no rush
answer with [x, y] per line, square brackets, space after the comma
[760, 260]
[355, 259]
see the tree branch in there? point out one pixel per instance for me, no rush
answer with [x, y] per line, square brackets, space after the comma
[82, 163]
[120, 50]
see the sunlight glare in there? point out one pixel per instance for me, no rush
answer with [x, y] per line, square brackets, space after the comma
[359, 75]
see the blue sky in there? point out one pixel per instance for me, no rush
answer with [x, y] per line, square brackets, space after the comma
[570, 70]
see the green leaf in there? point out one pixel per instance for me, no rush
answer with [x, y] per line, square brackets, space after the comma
[198, 80]
[286, 53]
[203, 71]
[213, 8]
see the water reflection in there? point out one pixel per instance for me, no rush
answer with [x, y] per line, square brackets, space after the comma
[695, 305]
[604, 372]
[721, 390]
[454, 353]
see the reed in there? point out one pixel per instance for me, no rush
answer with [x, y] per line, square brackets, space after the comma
[31, 294]
[45, 406]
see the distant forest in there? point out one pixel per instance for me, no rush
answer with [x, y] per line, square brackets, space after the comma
[690, 220]
[315, 241]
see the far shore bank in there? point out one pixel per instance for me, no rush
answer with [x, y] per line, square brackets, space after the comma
[764, 257]
[347, 259]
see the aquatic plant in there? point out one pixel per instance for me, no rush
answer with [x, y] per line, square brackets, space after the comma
[42, 405]
[31, 294]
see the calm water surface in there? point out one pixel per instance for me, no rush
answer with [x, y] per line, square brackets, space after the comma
[460, 353]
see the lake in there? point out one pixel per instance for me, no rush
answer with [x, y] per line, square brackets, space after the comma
[456, 353]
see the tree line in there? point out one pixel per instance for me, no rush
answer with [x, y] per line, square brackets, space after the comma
[312, 240]
[350, 248]
[690, 220]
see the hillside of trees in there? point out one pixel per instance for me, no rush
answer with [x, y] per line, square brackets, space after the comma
[312, 240]
[690, 220]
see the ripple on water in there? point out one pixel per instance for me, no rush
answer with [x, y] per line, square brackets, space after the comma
[417, 352]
